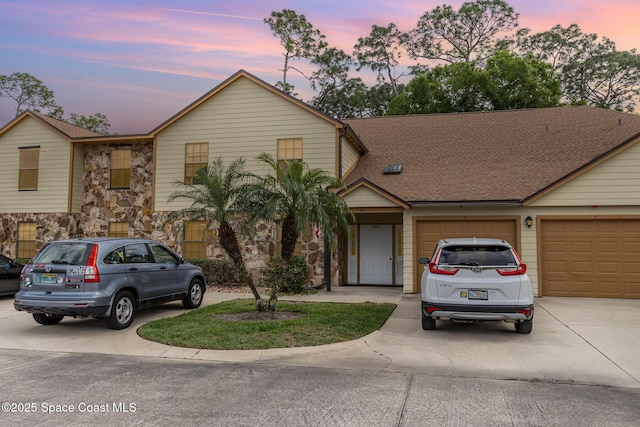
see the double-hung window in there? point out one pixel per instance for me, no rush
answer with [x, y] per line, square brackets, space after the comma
[196, 158]
[26, 244]
[120, 167]
[195, 245]
[28, 168]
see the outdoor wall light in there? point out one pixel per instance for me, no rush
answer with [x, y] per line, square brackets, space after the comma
[529, 221]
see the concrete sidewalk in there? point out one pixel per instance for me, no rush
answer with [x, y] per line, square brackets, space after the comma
[574, 340]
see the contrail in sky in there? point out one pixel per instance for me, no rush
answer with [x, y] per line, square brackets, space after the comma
[212, 14]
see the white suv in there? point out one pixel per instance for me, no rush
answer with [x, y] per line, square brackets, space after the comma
[476, 280]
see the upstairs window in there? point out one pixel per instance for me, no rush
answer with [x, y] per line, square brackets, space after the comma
[289, 149]
[196, 158]
[120, 167]
[28, 168]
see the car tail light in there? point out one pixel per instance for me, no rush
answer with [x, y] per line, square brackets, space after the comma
[518, 271]
[435, 269]
[525, 312]
[432, 309]
[91, 273]
[29, 262]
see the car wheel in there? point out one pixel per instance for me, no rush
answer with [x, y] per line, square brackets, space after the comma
[428, 323]
[122, 312]
[524, 327]
[194, 294]
[47, 319]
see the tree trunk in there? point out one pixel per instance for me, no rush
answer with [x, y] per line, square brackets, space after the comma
[289, 239]
[229, 242]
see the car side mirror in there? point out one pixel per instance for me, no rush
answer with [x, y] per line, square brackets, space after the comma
[423, 260]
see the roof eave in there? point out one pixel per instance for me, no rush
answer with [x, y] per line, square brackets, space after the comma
[462, 203]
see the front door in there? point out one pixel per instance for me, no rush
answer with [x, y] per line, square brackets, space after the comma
[376, 254]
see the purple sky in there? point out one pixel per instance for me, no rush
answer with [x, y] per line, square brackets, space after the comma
[139, 62]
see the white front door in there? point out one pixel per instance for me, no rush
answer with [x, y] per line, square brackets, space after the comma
[376, 254]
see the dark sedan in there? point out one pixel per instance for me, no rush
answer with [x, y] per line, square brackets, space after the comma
[9, 275]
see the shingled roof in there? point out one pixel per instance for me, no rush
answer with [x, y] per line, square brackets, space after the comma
[70, 130]
[486, 157]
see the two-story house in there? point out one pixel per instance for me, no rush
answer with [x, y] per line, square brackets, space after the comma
[561, 184]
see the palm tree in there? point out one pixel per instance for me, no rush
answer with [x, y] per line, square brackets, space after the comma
[218, 197]
[297, 197]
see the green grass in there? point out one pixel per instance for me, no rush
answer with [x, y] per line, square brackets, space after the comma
[320, 323]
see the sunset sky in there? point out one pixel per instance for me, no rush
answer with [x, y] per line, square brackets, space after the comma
[141, 61]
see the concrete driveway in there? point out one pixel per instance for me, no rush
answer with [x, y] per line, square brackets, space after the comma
[574, 340]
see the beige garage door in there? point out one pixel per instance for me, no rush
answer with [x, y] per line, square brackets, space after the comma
[429, 231]
[590, 258]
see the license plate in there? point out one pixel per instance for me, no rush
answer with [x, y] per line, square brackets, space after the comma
[47, 278]
[476, 294]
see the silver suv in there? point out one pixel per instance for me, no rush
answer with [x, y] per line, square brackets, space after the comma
[109, 278]
[476, 280]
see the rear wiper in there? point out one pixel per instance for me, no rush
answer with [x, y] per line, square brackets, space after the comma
[59, 261]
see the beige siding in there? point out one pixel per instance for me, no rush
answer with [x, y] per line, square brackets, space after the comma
[614, 182]
[364, 197]
[243, 119]
[53, 169]
[349, 157]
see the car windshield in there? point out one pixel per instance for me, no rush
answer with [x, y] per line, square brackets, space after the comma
[477, 255]
[71, 253]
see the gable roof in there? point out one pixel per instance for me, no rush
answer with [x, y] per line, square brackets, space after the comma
[363, 183]
[498, 157]
[240, 74]
[67, 130]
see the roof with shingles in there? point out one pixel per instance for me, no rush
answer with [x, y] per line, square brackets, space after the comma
[494, 157]
[71, 130]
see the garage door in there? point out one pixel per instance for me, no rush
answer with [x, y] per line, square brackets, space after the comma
[429, 231]
[590, 258]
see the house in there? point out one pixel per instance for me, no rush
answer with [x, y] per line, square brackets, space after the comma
[561, 184]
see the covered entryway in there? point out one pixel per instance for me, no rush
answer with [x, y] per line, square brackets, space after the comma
[429, 230]
[373, 255]
[591, 257]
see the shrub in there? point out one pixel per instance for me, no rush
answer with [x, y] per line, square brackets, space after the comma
[220, 272]
[291, 280]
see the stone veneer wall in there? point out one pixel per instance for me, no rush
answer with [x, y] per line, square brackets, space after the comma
[103, 205]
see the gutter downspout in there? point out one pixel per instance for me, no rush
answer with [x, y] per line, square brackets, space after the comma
[327, 247]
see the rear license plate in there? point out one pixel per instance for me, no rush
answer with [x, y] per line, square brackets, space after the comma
[476, 294]
[47, 279]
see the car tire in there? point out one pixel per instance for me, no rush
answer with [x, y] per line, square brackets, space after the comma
[195, 293]
[122, 312]
[524, 327]
[47, 319]
[428, 323]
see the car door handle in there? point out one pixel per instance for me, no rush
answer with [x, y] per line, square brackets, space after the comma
[133, 268]
[163, 267]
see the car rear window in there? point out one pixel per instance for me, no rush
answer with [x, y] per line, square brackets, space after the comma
[72, 253]
[477, 255]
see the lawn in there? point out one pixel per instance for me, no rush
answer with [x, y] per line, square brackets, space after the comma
[236, 325]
